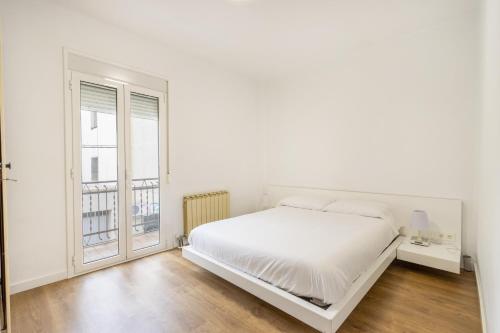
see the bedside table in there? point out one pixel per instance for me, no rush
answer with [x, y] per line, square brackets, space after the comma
[441, 256]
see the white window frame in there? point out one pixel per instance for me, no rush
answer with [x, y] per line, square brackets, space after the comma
[111, 73]
[163, 172]
[78, 265]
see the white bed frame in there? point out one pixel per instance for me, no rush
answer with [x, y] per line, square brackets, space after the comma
[447, 211]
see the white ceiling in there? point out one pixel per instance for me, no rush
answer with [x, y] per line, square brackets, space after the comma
[266, 38]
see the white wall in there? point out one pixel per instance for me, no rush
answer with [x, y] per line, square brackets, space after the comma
[397, 116]
[212, 115]
[488, 244]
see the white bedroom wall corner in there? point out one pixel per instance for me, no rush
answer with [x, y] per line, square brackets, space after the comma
[477, 272]
[262, 138]
[488, 196]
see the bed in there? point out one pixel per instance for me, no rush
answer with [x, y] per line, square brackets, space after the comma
[309, 253]
[315, 265]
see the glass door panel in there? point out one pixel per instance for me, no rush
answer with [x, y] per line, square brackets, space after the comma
[99, 172]
[144, 159]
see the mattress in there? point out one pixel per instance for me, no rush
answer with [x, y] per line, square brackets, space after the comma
[308, 253]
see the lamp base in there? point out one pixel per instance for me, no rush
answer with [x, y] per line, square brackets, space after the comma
[415, 240]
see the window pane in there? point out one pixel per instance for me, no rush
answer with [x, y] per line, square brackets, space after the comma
[94, 169]
[145, 175]
[99, 171]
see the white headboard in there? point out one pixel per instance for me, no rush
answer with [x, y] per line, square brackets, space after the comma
[445, 215]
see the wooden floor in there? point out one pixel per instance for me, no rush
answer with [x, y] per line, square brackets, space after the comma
[165, 293]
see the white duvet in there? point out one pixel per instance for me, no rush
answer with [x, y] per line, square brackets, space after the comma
[305, 252]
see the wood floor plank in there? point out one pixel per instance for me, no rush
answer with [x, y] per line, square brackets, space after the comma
[166, 293]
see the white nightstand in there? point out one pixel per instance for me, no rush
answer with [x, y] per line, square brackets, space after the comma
[440, 256]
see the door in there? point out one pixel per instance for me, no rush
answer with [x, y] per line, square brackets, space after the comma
[117, 171]
[4, 166]
[98, 172]
[145, 123]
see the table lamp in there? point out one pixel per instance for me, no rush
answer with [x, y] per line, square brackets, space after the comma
[419, 221]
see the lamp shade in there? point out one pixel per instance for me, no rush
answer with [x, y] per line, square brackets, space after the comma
[419, 220]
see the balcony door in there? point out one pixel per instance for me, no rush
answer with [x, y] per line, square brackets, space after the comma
[119, 159]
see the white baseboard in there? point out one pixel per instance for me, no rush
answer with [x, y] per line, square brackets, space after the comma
[37, 282]
[480, 292]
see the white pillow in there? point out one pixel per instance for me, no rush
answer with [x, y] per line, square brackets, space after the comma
[305, 202]
[364, 208]
[359, 207]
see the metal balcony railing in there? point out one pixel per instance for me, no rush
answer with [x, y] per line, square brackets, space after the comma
[100, 209]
